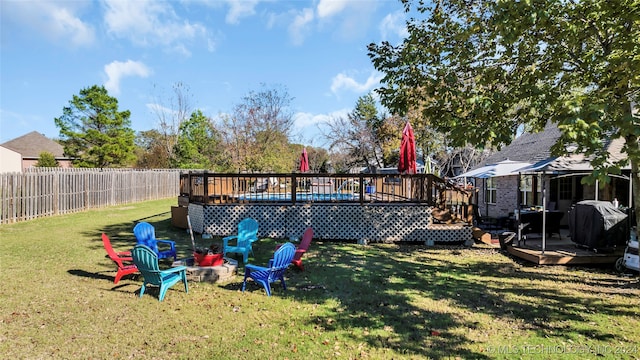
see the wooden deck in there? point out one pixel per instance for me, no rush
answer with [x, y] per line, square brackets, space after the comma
[560, 250]
[568, 256]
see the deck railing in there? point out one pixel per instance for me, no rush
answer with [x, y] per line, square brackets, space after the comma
[212, 188]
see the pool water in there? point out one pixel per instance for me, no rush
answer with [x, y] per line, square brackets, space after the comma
[299, 197]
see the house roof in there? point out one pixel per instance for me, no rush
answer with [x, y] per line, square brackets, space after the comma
[528, 147]
[31, 145]
[578, 162]
[535, 148]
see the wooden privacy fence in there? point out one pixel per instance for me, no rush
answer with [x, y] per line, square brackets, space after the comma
[34, 194]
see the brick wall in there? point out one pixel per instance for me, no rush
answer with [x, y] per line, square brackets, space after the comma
[506, 196]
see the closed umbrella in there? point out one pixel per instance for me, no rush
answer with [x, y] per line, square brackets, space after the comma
[407, 162]
[304, 161]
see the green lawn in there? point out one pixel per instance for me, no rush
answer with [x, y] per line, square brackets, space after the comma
[58, 300]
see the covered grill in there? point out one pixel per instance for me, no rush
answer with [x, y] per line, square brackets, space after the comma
[598, 225]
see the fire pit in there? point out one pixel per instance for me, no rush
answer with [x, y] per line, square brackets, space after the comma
[208, 265]
[212, 274]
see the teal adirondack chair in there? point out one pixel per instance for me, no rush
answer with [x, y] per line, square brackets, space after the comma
[147, 262]
[247, 234]
[274, 271]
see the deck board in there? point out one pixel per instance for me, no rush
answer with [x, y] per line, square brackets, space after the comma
[563, 257]
[559, 250]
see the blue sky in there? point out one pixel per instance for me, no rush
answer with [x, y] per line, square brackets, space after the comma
[220, 49]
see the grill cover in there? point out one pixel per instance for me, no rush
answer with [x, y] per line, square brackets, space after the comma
[597, 225]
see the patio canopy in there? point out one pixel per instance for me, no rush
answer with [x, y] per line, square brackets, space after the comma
[503, 168]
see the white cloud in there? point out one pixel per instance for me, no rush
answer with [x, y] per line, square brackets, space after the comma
[309, 128]
[66, 24]
[343, 82]
[117, 70]
[148, 23]
[298, 27]
[303, 120]
[56, 20]
[346, 19]
[394, 24]
[239, 9]
[328, 8]
[158, 108]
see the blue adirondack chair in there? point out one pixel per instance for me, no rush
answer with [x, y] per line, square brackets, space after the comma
[147, 262]
[247, 234]
[274, 271]
[145, 234]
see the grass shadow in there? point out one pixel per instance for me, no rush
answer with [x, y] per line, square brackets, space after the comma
[378, 293]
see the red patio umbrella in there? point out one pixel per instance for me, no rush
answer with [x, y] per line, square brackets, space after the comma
[407, 162]
[304, 161]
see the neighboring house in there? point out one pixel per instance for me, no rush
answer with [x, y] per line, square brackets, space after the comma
[31, 145]
[10, 161]
[528, 160]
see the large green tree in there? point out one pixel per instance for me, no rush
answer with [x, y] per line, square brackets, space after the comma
[480, 70]
[94, 133]
[199, 144]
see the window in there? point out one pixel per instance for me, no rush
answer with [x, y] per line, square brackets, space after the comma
[530, 190]
[526, 190]
[492, 189]
[565, 188]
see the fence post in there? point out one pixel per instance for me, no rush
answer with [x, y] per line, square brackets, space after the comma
[294, 188]
[361, 189]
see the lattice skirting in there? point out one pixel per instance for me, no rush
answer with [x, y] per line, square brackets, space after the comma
[363, 223]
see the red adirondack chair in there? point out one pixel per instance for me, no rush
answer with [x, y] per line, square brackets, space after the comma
[122, 258]
[302, 248]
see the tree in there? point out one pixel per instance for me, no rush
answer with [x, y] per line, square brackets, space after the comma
[480, 70]
[368, 137]
[199, 144]
[94, 133]
[317, 156]
[257, 132]
[352, 135]
[452, 161]
[150, 150]
[171, 112]
[47, 159]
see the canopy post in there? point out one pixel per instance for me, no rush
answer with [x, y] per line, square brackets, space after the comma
[544, 213]
[485, 187]
[518, 205]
